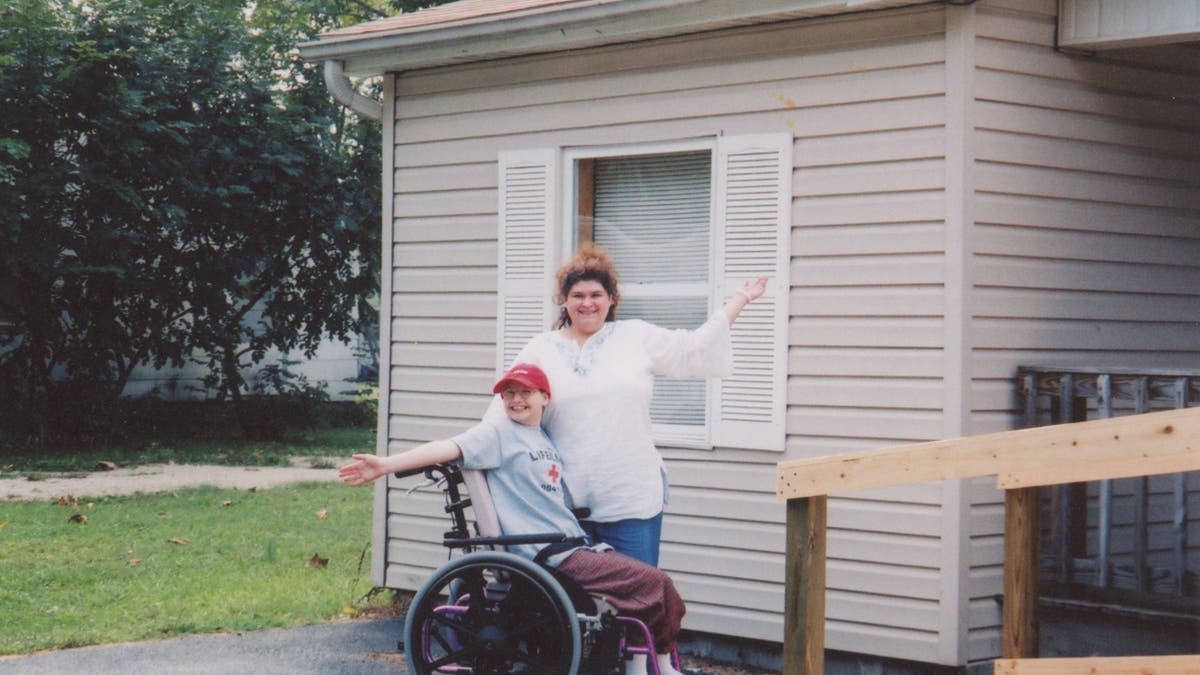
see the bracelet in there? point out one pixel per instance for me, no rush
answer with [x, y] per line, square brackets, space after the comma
[745, 295]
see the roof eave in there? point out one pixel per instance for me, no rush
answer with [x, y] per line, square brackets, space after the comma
[573, 26]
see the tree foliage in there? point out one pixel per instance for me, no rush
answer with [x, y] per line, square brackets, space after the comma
[174, 184]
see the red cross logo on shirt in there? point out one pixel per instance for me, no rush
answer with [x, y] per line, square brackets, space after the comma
[554, 474]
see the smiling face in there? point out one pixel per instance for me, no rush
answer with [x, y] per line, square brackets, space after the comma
[523, 404]
[588, 305]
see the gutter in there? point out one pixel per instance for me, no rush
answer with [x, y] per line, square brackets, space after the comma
[339, 85]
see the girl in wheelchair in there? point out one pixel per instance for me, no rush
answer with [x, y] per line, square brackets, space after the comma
[524, 479]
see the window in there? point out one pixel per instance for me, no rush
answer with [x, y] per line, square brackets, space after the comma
[653, 213]
[686, 224]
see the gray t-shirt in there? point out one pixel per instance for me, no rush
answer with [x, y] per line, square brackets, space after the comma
[524, 474]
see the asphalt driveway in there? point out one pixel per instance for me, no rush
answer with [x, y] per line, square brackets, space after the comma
[357, 647]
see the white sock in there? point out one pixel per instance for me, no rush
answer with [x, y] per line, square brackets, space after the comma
[636, 665]
[665, 667]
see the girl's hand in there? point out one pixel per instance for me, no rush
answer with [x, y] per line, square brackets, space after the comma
[364, 469]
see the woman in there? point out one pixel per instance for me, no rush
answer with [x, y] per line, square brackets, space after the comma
[602, 371]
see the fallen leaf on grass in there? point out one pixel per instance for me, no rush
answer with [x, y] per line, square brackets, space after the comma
[134, 562]
[68, 500]
[322, 514]
[78, 518]
[317, 562]
[178, 540]
[106, 466]
[3, 524]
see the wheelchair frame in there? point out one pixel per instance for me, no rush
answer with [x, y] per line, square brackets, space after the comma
[490, 612]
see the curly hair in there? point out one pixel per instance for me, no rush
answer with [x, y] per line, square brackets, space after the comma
[590, 263]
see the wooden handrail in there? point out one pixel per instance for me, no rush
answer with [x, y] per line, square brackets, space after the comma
[1129, 446]
[1117, 447]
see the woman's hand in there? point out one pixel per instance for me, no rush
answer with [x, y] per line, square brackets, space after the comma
[748, 292]
[364, 469]
[753, 290]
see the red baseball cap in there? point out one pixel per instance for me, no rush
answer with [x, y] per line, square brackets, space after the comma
[527, 374]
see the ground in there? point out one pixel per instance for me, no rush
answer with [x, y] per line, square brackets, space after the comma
[167, 477]
[159, 478]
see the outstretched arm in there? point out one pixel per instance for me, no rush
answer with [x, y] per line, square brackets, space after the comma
[705, 351]
[366, 468]
[747, 293]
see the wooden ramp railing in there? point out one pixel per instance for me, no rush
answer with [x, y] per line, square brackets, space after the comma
[1022, 461]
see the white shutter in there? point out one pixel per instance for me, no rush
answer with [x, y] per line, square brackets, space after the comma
[527, 206]
[753, 221]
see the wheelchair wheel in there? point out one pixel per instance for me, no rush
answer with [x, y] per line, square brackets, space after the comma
[492, 613]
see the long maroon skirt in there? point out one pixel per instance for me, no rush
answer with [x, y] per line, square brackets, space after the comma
[634, 588]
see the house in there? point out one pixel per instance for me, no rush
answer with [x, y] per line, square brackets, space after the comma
[941, 192]
[335, 367]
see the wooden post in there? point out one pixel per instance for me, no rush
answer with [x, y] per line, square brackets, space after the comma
[804, 600]
[1021, 529]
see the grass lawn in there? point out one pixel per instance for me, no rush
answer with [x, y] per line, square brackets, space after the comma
[195, 561]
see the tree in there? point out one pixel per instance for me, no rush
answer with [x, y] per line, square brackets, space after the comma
[79, 208]
[174, 181]
[290, 243]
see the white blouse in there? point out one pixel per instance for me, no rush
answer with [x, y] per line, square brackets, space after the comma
[599, 412]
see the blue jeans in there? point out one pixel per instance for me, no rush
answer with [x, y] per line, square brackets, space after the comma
[635, 537]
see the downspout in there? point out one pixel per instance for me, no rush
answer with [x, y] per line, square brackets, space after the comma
[339, 86]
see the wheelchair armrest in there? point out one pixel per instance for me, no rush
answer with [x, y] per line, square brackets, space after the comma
[504, 540]
[446, 470]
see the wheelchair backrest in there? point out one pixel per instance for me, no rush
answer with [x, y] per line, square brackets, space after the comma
[486, 521]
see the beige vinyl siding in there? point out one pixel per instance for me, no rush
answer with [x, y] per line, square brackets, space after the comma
[867, 363]
[1086, 245]
[864, 99]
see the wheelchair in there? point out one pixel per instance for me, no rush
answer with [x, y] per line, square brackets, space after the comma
[490, 612]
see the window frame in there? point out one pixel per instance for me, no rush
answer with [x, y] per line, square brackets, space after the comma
[754, 217]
